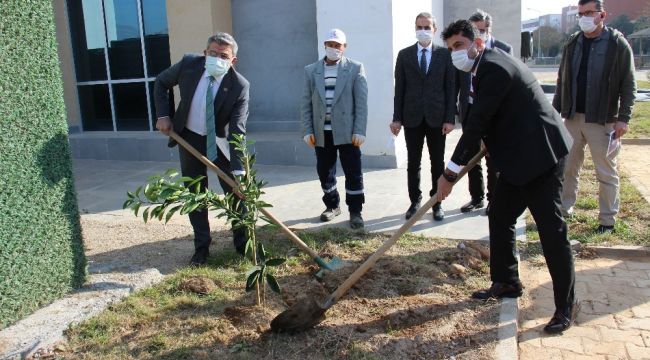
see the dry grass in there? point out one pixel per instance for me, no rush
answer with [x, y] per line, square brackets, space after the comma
[408, 306]
[633, 221]
[640, 123]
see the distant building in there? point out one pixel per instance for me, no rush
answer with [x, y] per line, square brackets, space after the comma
[569, 18]
[551, 20]
[632, 8]
[530, 25]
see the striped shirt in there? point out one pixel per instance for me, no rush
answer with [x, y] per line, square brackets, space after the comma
[331, 72]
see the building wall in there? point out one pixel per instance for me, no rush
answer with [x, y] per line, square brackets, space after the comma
[403, 24]
[569, 19]
[190, 26]
[67, 65]
[506, 17]
[632, 8]
[552, 20]
[277, 39]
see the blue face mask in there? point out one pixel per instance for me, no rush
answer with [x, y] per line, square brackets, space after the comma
[216, 66]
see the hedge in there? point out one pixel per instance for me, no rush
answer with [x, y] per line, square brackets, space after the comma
[41, 250]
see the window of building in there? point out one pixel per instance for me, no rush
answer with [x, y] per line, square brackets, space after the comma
[119, 47]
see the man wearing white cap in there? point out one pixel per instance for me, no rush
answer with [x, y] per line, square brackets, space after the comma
[334, 113]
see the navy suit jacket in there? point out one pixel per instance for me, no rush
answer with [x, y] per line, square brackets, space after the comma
[230, 104]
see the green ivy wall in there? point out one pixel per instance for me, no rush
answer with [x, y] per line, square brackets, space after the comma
[41, 250]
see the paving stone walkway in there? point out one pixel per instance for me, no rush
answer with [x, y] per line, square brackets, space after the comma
[635, 161]
[614, 322]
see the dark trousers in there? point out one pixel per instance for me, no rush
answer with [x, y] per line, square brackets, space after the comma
[542, 197]
[475, 175]
[350, 156]
[414, 143]
[193, 167]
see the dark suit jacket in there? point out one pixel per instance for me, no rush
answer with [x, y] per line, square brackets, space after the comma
[524, 135]
[230, 104]
[463, 80]
[429, 97]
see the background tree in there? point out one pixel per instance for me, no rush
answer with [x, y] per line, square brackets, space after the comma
[551, 41]
[642, 22]
[623, 24]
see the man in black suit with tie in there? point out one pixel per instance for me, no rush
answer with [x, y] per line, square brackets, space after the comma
[424, 104]
[213, 107]
[482, 21]
[528, 143]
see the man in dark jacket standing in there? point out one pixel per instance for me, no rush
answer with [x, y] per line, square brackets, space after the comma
[213, 107]
[595, 94]
[424, 104]
[527, 141]
[482, 21]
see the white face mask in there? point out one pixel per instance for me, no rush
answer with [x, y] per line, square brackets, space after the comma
[587, 24]
[424, 36]
[216, 66]
[461, 60]
[333, 54]
[484, 36]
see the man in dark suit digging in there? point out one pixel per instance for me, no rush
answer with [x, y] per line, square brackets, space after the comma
[528, 143]
[213, 107]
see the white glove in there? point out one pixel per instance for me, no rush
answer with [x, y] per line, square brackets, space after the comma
[309, 140]
[358, 140]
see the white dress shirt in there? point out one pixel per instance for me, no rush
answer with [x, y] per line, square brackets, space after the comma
[196, 115]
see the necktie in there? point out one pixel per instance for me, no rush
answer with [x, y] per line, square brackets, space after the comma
[423, 62]
[211, 135]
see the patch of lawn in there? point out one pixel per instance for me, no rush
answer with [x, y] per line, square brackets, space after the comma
[632, 224]
[640, 123]
[642, 84]
[410, 291]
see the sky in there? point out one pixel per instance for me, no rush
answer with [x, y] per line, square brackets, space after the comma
[533, 8]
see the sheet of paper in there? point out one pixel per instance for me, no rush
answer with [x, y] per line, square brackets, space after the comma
[614, 143]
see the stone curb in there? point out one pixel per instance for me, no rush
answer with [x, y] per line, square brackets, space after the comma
[506, 348]
[508, 331]
[621, 251]
[46, 326]
[628, 141]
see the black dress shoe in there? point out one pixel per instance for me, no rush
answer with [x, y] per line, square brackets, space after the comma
[412, 210]
[438, 213]
[200, 257]
[500, 290]
[562, 320]
[472, 205]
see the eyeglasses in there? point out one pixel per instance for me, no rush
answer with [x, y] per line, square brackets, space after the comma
[589, 13]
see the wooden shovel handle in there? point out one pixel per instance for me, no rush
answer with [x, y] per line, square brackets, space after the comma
[235, 188]
[370, 262]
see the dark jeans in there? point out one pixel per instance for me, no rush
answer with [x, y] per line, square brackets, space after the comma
[350, 156]
[193, 167]
[542, 197]
[414, 143]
